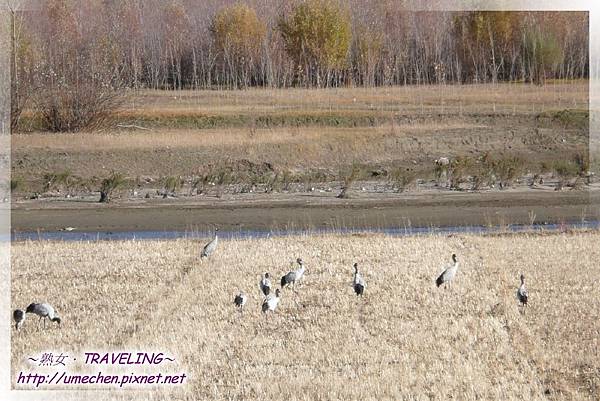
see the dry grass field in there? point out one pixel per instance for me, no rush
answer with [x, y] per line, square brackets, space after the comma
[411, 99]
[405, 339]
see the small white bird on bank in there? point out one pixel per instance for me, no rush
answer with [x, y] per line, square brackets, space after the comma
[211, 247]
[522, 294]
[448, 274]
[19, 318]
[358, 283]
[45, 311]
[265, 284]
[294, 276]
[270, 303]
[240, 301]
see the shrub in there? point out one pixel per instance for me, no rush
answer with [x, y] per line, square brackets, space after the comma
[77, 85]
[565, 170]
[458, 170]
[582, 162]
[57, 181]
[507, 170]
[171, 185]
[349, 179]
[401, 178]
[15, 183]
[65, 108]
[482, 172]
[109, 185]
[441, 170]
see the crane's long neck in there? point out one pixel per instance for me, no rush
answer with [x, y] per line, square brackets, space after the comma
[454, 267]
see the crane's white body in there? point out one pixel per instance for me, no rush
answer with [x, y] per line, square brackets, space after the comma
[294, 276]
[211, 247]
[270, 303]
[522, 294]
[265, 284]
[358, 282]
[448, 273]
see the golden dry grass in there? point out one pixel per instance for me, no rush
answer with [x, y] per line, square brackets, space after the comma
[217, 138]
[414, 99]
[405, 340]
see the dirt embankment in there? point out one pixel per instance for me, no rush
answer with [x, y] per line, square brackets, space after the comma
[263, 173]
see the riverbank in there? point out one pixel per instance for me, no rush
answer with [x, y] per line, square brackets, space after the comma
[314, 211]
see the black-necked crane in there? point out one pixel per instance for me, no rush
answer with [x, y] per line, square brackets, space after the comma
[211, 247]
[522, 294]
[240, 300]
[358, 283]
[294, 276]
[265, 284]
[19, 318]
[45, 311]
[270, 303]
[448, 273]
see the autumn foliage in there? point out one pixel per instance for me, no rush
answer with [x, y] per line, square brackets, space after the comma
[65, 49]
[239, 37]
[317, 37]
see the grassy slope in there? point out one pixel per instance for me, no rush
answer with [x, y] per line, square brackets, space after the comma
[307, 132]
[405, 339]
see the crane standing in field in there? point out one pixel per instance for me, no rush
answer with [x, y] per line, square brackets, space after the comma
[358, 283]
[522, 294]
[45, 311]
[294, 276]
[270, 303]
[211, 247]
[19, 318]
[265, 285]
[448, 273]
[240, 301]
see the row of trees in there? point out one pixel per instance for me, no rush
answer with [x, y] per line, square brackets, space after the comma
[93, 46]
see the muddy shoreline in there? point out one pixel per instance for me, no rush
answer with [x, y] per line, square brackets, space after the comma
[494, 208]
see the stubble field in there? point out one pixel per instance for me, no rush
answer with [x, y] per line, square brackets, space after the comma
[406, 339]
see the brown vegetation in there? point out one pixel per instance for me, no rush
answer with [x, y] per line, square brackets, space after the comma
[309, 136]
